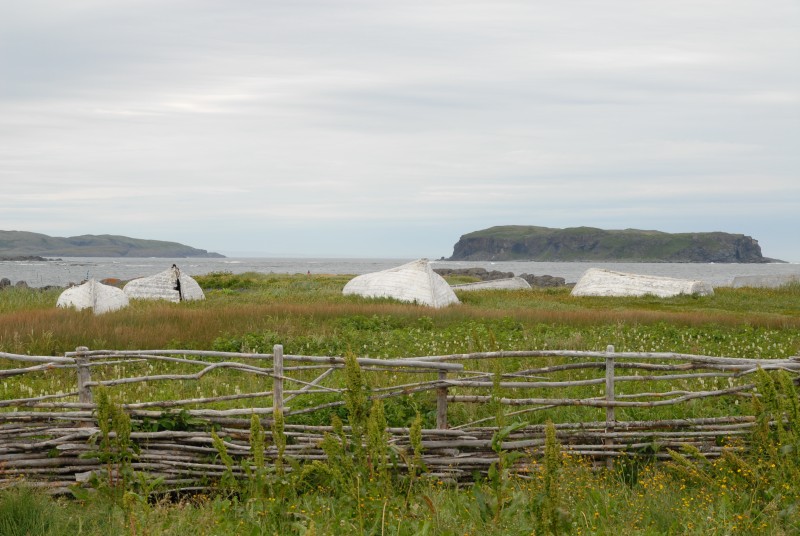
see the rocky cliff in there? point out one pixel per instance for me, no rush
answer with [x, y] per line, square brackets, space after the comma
[518, 242]
[22, 243]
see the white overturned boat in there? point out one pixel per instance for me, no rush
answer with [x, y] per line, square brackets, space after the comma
[95, 295]
[414, 282]
[599, 282]
[170, 285]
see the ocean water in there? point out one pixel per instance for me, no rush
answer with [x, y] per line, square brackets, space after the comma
[74, 270]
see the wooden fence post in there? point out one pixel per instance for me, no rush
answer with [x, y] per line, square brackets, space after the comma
[277, 378]
[610, 414]
[84, 376]
[441, 403]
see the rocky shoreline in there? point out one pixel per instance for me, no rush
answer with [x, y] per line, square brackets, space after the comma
[6, 282]
[25, 258]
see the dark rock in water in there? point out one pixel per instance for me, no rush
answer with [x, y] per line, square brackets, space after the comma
[480, 273]
[6, 283]
[544, 280]
[493, 275]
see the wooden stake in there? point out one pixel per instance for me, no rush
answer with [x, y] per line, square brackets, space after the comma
[610, 416]
[441, 402]
[84, 376]
[277, 381]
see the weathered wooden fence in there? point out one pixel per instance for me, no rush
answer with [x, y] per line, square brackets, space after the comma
[45, 437]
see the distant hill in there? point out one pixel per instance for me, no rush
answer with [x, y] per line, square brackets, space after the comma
[22, 243]
[525, 242]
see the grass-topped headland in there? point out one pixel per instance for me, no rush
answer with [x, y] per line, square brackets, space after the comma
[21, 244]
[529, 242]
[751, 492]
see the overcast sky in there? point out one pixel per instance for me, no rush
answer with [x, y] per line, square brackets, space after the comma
[389, 129]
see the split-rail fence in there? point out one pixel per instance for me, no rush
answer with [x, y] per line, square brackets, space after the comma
[47, 438]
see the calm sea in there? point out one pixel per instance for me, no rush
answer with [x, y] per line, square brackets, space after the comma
[73, 270]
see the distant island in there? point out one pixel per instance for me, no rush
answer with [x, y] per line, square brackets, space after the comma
[575, 244]
[22, 244]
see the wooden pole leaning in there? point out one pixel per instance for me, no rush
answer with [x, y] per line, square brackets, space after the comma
[84, 376]
[610, 414]
[277, 378]
[441, 402]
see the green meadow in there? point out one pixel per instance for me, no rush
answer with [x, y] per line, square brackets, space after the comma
[750, 492]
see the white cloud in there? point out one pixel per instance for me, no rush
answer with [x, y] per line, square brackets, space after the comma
[191, 117]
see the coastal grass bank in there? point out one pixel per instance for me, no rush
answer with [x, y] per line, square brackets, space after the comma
[259, 478]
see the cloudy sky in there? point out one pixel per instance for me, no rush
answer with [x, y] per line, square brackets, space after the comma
[389, 129]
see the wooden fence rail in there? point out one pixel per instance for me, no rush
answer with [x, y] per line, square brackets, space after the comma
[45, 436]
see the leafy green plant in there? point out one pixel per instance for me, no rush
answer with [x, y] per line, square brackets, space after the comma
[356, 400]
[500, 470]
[279, 439]
[116, 450]
[415, 463]
[228, 480]
[256, 468]
[180, 421]
[377, 444]
[551, 513]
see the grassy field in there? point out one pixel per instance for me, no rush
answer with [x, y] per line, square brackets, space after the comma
[755, 493]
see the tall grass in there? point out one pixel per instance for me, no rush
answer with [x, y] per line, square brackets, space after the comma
[309, 315]
[310, 308]
[27, 512]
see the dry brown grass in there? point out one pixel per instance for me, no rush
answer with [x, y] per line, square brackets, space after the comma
[163, 325]
[300, 305]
